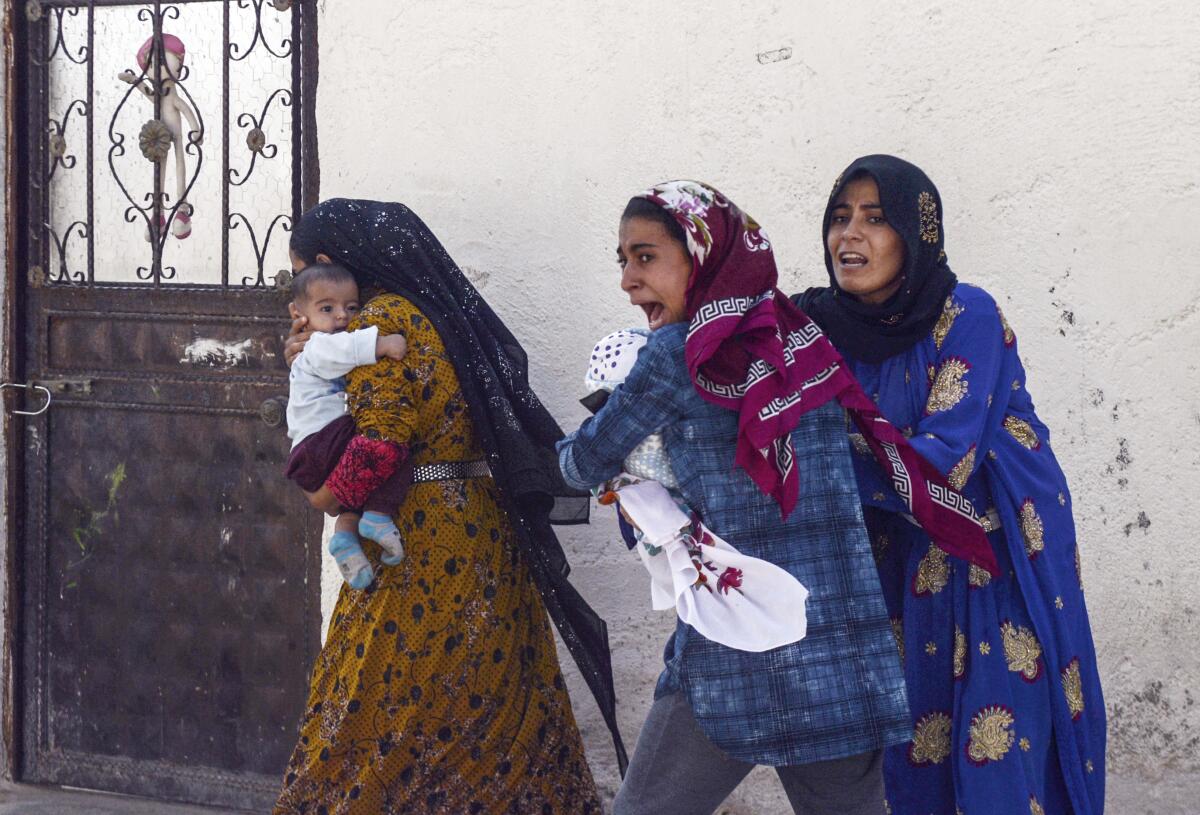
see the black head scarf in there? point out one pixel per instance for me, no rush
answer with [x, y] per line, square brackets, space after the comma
[912, 206]
[387, 245]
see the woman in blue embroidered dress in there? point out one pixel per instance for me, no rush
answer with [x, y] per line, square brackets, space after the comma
[1001, 671]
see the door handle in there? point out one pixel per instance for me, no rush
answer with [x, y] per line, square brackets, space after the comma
[29, 386]
[273, 411]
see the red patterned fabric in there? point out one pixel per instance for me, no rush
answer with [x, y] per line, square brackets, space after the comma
[363, 468]
[749, 349]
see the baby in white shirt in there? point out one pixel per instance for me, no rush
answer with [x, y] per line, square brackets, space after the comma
[318, 424]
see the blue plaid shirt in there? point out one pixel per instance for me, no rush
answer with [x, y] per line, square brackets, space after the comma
[840, 690]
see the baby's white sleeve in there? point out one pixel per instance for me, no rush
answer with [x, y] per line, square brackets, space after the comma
[328, 356]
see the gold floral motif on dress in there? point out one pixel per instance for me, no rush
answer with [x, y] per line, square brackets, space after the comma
[990, 736]
[933, 573]
[1032, 529]
[947, 387]
[859, 443]
[960, 653]
[879, 545]
[898, 633]
[931, 739]
[1022, 651]
[1022, 431]
[978, 577]
[929, 217]
[950, 313]
[1034, 807]
[963, 469]
[1073, 688]
[1009, 336]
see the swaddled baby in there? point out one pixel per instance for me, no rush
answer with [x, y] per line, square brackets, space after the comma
[734, 599]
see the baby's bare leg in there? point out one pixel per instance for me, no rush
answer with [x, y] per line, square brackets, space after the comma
[346, 522]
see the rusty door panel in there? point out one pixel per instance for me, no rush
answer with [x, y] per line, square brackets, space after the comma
[170, 608]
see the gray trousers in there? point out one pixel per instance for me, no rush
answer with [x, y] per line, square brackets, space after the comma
[676, 770]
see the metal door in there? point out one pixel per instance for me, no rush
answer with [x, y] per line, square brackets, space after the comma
[169, 597]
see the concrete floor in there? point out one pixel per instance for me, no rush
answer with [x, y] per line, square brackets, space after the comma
[1179, 795]
[26, 799]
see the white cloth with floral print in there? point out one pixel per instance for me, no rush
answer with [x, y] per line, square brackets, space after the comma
[736, 600]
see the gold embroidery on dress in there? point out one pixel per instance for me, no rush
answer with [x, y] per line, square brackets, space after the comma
[1009, 336]
[990, 736]
[931, 739]
[1062, 500]
[963, 469]
[933, 573]
[978, 577]
[1022, 651]
[898, 633]
[1089, 765]
[879, 545]
[860, 444]
[985, 648]
[929, 217]
[1031, 529]
[1023, 432]
[960, 653]
[950, 313]
[1016, 385]
[1073, 688]
[948, 387]
[1034, 807]
[931, 648]
[1024, 744]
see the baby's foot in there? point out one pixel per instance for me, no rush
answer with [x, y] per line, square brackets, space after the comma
[348, 554]
[378, 527]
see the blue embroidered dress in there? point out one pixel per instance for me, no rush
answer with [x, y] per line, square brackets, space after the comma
[837, 692]
[1001, 672]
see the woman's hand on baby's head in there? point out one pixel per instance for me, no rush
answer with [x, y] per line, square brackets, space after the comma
[296, 338]
[391, 346]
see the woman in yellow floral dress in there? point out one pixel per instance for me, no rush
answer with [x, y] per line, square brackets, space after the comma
[438, 689]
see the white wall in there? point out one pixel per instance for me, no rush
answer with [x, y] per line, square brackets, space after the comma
[1063, 138]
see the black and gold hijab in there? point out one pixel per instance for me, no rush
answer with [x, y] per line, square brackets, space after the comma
[912, 206]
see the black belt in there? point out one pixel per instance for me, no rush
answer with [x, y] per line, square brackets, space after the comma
[450, 471]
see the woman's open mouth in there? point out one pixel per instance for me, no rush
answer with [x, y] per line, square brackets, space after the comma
[852, 260]
[655, 314]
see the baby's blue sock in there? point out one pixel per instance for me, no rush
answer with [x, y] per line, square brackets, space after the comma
[356, 569]
[378, 527]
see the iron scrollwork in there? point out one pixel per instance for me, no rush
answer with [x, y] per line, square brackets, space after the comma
[159, 212]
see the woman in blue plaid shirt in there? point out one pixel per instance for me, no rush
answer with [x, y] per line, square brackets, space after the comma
[753, 405]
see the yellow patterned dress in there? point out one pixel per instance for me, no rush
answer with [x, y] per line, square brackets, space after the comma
[438, 689]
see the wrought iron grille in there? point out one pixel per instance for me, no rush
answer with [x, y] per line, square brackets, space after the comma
[166, 143]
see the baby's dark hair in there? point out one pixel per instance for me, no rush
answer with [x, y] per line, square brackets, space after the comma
[644, 208]
[316, 273]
